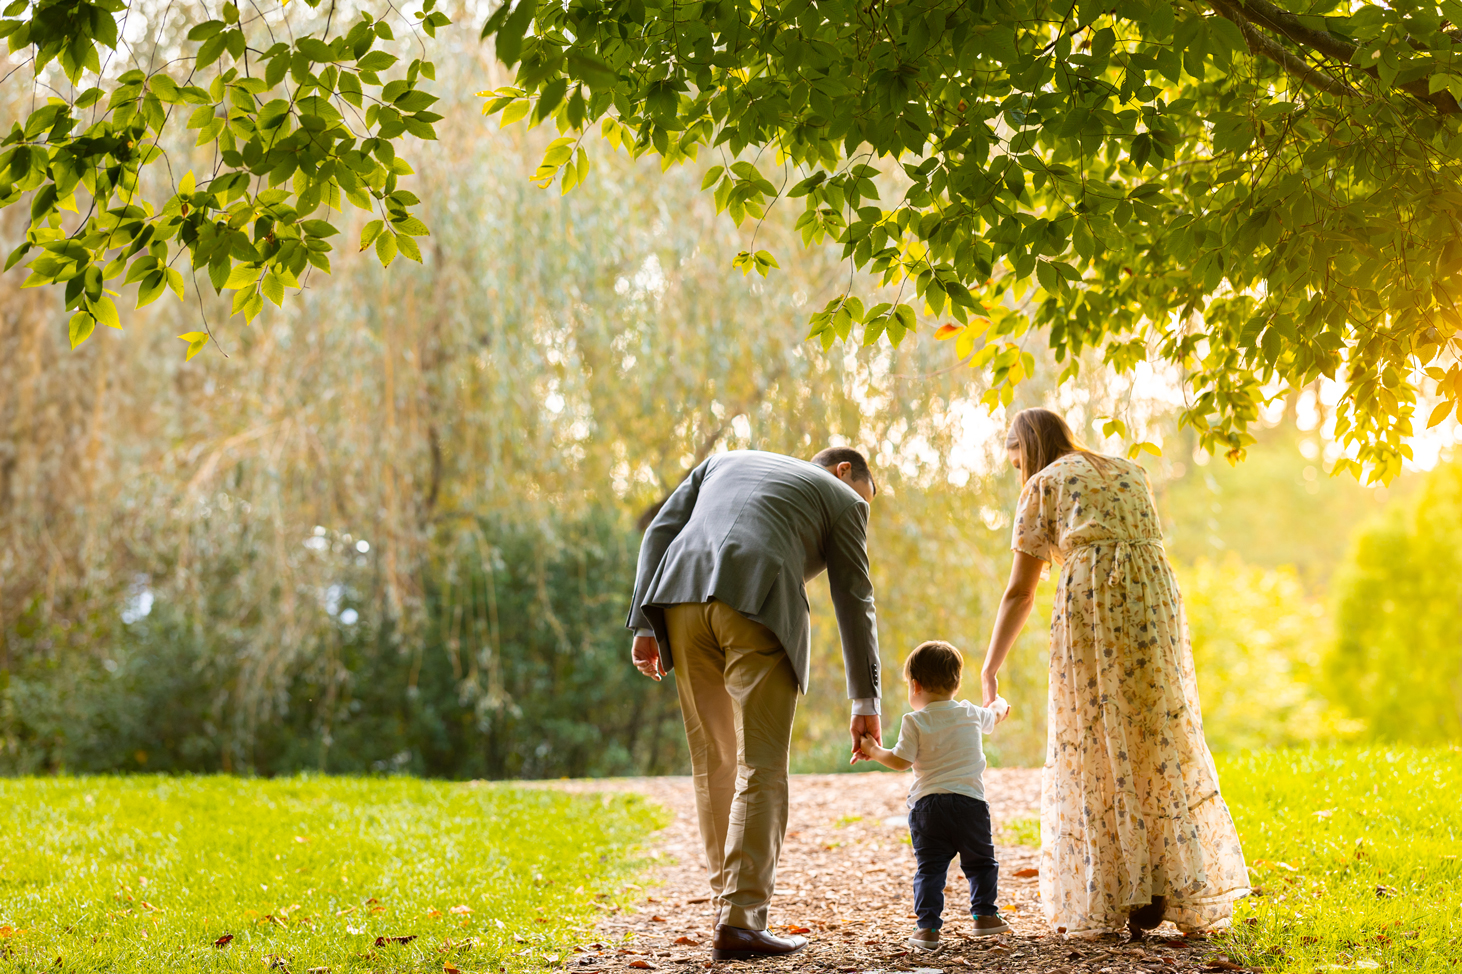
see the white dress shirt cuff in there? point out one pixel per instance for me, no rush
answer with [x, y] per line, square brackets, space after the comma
[644, 632]
[866, 706]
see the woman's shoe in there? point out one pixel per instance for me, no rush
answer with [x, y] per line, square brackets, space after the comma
[925, 940]
[1147, 917]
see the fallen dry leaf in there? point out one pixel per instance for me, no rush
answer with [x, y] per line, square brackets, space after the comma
[687, 942]
[658, 920]
[223, 941]
[461, 910]
[383, 941]
[276, 963]
[642, 965]
[1029, 872]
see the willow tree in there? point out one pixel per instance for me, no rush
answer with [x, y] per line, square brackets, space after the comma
[1257, 195]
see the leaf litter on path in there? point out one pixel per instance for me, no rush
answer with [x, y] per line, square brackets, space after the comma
[845, 881]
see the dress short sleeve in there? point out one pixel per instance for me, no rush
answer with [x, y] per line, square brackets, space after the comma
[1035, 520]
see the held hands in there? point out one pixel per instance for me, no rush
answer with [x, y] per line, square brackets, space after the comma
[646, 657]
[864, 726]
[1002, 709]
[868, 749]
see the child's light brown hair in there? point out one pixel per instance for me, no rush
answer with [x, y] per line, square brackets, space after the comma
[936, 665]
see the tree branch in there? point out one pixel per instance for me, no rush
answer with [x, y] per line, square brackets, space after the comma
[1265, 46]
[1272, 18]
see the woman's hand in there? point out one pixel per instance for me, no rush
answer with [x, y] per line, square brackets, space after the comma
[990, 686]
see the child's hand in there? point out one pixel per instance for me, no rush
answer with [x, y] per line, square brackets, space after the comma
[868, 747]
[1002, 708]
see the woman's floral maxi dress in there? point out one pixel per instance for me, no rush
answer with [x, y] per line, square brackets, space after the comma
[1129, 799]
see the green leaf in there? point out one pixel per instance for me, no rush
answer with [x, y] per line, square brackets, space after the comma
[105, 313]
[318, 228]
[411, 226]
[376, 61]
[196, 341]
[370, 232]
[242, 276]
[409, 248]
[205, 30]
[151, 288]
[273, 289]
[316, 50]
[514, 112]
[81, 327]
[509, 38]
[386, 248]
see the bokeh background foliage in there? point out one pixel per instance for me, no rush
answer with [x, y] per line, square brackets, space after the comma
[404, 542]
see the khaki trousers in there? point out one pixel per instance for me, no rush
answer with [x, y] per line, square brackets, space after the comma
[738, 695]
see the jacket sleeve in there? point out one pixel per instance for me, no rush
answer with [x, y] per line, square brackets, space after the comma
[852, 595]
[662, 531]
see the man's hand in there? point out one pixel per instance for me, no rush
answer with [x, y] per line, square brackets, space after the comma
[646, 656]
[860, 725]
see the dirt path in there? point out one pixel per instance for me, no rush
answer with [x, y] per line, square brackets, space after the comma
[845, 880]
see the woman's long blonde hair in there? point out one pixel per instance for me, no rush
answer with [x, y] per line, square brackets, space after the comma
[1042, 437]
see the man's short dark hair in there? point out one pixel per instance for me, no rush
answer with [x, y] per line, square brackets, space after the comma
[937, 666]
[830, 458]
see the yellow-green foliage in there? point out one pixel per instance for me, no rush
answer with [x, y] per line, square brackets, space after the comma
[1258, 638]
[148, 873]
[1025, 830]
[1357, 854]
[1397, 661]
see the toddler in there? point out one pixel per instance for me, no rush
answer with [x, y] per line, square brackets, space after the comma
[948, 815]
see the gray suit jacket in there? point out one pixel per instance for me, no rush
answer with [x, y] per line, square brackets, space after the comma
[751, 529]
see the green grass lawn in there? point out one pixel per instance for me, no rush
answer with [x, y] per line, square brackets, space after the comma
[1356, 854]
[227, 874]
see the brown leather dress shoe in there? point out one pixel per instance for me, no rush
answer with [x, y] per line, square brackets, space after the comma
[734, 943]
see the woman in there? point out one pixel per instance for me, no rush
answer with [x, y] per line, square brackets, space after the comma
[1133, 828]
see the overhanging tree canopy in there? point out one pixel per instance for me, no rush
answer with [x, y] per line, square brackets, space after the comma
[1257, 195]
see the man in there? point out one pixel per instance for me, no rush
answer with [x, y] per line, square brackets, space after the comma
[720, 596]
